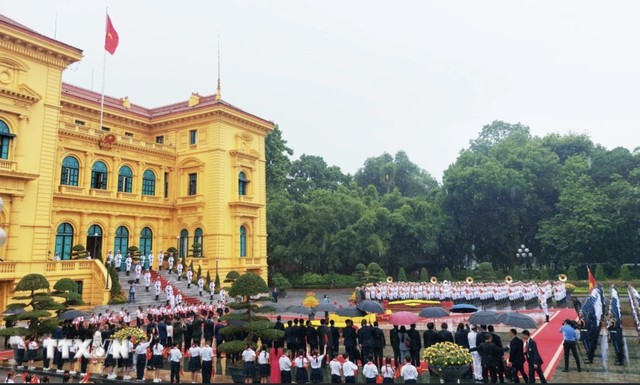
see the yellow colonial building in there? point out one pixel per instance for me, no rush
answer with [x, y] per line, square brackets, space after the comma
[190, 175]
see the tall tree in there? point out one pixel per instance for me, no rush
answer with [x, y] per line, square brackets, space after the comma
[278, 164]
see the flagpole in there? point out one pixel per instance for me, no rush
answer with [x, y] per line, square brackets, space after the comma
[104, 70]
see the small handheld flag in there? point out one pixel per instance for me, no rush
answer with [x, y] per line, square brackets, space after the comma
[592, 280]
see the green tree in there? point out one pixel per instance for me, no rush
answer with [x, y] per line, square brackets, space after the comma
[280, 281]
[278, 164]
[485, 272]
[402, 276]
[572, 273]
[37, 309]
[246, 323]
[217, 283]
[446, 275]
[68, 289]
[625, 273]
[207, 280]
[424, 275]
[544, 274]
[599, 274]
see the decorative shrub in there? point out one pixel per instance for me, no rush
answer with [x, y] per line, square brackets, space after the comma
[446, 354]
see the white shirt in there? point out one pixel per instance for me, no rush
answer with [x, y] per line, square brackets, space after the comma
[206, 353]
[370, 370]
[335, 366]
[157, 349]
[175, 355]
[387, 371]
[263, 357]
[300, 361]
[349, 368]
[285, 363]
[316, 362]
[409, 372]
[194, 351]
[248, 355]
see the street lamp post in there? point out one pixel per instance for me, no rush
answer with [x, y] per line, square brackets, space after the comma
[525, 254]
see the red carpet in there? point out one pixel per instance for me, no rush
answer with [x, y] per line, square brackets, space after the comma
[549, 340]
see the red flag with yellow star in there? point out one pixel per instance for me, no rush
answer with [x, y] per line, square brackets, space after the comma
[111, 38]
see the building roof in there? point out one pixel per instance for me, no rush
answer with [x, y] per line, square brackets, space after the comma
[112, 103]
[17, 26]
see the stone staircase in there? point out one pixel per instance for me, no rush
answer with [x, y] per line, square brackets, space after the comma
[146, 299]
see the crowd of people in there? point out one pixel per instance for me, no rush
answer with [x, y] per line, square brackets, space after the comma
[468, 292]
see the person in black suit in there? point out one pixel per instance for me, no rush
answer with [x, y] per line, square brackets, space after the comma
[323, 335]
[394, 340]
[365, 338]
[416, 345]
[462, 335]
[533, 358]
[445, 335]
[378, 344]
[333, 344]
[516, 357]
[498, 341]
[279, 342]
[430, 337]
[288, 336]
[490, 354]
[350, 340]
[312, 336]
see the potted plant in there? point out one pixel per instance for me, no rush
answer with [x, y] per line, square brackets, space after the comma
[245, 321]
[448, 360]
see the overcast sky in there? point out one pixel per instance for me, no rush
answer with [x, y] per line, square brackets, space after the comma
[348, 80]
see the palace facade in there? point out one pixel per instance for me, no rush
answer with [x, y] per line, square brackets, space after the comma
[190, 175]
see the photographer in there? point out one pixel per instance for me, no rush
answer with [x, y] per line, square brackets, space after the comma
[571, 337]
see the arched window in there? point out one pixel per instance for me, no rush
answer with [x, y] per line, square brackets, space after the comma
[242, 183]
[197, 240]
[125, 176]
[94, 241]
[5, 140]
[99, 176]
[148, 183]
[122, 240]
[146, 241]
[243, 241]
[64, 241]
[70, 171]
[184, 242]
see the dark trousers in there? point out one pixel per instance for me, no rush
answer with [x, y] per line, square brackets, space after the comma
[84, 362]
[519, 369]
[377, 357]
[349, 379]
[285, 376]
[352, 352]
[500, 369]
[175, 371]
[367, 351]
[132, 297]
[141, 363]
[335, 379]
[45, 359]
[533, 372]
[396, 356]
[618, 345]
[20, 357]
[207, 370]
[490, 371]
[570, 347]
[415, 358]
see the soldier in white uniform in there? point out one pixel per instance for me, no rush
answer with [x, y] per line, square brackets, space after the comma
[138, 271]
[150, 259]
[118, 261]
[179, 268]
[170, 262]
[160, 259]
[158, 287]
[128, 263]
[200, 285]
[189, 278]
[212, 289]
[147, 280]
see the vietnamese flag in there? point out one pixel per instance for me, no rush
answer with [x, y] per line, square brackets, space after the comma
[111, 38]
[592, 280]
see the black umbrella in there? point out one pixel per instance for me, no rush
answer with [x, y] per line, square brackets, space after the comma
[484, 317]
[517, 320]
[328, 307]
[370, 306]
[463, 308]
[72, 314]
[433, 312]
[350, 312]
[14, 311]
[299, 309]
